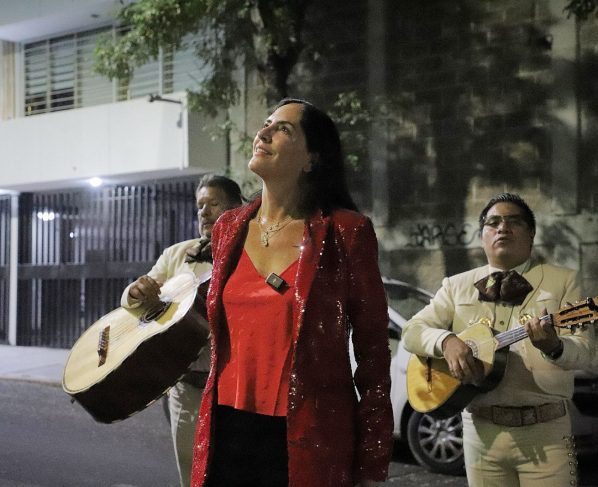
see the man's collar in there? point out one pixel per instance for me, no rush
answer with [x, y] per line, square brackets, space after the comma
[520, 269]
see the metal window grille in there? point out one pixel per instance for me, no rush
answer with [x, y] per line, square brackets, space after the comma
[59, 73]
[90, 88]
[79, 249]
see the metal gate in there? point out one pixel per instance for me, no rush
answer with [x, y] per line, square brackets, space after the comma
[79, 249]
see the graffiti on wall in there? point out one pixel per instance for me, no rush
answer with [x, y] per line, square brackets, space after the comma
[426, 235]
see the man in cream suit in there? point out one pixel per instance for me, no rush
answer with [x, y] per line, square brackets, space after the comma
[519, 433]
[214, 195]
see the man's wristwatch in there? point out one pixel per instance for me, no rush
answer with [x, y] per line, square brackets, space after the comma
[556, 353]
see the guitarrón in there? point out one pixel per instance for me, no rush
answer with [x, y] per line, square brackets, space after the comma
[130, 357]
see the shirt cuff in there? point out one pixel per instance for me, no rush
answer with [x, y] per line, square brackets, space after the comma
[438, 344]
[555, 354]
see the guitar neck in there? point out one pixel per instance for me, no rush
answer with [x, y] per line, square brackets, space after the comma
[509, 337]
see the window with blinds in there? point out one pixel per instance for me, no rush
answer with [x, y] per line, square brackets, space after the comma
[59, 74]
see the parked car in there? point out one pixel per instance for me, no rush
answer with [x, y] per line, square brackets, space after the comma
[437, 444]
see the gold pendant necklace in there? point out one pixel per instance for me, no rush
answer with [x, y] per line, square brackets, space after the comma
[267, 232]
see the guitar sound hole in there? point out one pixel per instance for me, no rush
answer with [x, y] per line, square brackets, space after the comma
[155, 313]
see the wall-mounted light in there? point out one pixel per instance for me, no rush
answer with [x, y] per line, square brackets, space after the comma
[155, 97]
[95, 182]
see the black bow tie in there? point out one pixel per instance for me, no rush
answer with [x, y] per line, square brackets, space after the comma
[508, 287]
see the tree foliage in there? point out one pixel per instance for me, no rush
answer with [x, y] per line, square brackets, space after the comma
[263, 34]
[581, 8]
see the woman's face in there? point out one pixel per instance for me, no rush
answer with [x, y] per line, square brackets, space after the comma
[279, 148]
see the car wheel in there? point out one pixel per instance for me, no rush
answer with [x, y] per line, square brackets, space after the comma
[437, 444]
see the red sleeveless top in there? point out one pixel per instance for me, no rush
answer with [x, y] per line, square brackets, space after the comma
[256, 360]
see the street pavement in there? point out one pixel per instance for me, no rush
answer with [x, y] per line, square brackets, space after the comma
[32, 364]
[46, 365]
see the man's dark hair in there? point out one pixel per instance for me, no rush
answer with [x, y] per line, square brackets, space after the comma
[230, 188]
[325, 186]
[527, 213]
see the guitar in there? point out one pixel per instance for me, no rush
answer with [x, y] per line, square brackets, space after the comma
[432, 389]
[130, 357]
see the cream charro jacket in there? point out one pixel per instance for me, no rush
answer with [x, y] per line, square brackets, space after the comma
[456, 306]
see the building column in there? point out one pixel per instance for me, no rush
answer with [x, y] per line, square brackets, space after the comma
[13, 266]
[566, 129]
[378, 140]
[7, 80]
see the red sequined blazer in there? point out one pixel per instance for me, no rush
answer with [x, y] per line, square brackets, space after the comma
[334, 439]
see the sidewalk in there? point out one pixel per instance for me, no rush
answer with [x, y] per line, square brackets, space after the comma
[34, 364]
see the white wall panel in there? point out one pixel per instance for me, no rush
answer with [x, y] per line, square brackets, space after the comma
[133, 138]
[22, 20]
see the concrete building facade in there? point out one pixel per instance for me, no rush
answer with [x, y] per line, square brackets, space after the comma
[465, 99]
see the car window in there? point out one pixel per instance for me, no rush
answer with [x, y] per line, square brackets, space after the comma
[405, 300]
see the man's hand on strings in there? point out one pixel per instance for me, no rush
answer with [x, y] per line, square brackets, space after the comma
[542, 334]
[461, 362]
[146, 290]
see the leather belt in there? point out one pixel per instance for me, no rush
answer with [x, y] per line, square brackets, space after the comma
[195, 378]
[520, 415]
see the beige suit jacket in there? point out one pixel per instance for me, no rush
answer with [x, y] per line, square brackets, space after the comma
[456, 306]
[169, 264]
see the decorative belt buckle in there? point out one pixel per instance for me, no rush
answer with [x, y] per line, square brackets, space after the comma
[529, 415]
[506, 416]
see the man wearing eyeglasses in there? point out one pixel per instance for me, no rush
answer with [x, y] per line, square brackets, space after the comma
[519, 433]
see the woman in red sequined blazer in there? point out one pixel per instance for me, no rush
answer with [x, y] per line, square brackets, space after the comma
[292, 417]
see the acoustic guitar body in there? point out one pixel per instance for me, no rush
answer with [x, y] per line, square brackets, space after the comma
[433, 390]
[130, 357]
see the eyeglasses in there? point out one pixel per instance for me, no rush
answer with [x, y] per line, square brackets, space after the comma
[495, 220]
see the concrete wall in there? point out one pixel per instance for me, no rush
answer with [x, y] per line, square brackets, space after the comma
[490, 96]
[128, 140]
[487, 96]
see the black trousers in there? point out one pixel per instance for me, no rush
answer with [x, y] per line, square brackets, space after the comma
[250, 450]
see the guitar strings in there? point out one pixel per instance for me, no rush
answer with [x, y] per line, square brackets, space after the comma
[516, 334]
[119, 330]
